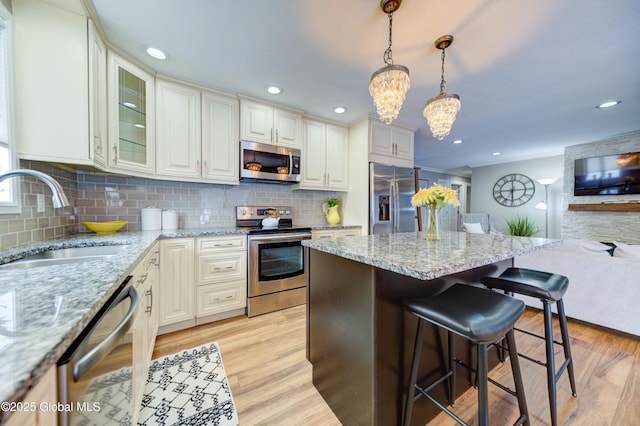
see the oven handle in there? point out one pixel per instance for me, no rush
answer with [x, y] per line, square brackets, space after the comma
[282, 237]
[89, 359]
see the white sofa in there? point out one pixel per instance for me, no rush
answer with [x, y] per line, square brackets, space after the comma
[603, 289]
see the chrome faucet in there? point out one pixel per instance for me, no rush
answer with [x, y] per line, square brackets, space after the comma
[59, 198]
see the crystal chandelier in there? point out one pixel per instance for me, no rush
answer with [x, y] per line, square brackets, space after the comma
[440, 111]
[390, 83]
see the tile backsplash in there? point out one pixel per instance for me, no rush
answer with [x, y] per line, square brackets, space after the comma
[98, 196]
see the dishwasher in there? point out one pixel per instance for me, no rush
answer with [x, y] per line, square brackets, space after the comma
[95, 375]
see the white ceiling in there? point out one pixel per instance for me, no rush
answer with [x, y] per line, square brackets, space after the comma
[529, 74]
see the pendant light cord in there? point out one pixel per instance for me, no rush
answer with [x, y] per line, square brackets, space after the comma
[442, 75]
[388, 55]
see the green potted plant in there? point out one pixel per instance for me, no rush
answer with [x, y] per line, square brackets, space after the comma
[330, 209]
[331, 202]
[522, 226]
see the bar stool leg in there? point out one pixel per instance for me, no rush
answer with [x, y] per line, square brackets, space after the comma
[551, 369]
[566, 345]
[452, 368]
[483, 386]
[517, 376]
[413, 377]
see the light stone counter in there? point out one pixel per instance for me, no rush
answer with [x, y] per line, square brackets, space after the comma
[32, 338]
[411, 255]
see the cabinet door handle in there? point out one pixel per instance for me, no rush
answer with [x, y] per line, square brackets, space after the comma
[205, 168]
[223, 245]
[198, 166]
[277, 137]
[223, 269]
[143, 278]
[115, 155]
[271, 137]
[217, 299]
[150, 306]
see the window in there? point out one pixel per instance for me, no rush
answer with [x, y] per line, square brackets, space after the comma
[9, 196]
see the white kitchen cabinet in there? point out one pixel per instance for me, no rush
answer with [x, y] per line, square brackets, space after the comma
[221, 275]
[390, 144]
[99, 143]
[197, 133]
[220, 137]
[177, 292]
[43, 395]
[266, 123]
[325, 156]
[201, 280]
[145, 326]
[335, 233]
[178, 135]
[131, 103]
[52, 83]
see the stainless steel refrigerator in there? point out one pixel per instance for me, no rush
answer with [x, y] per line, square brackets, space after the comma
[390, 192]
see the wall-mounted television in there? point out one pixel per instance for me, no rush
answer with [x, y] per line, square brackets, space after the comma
[608, 175]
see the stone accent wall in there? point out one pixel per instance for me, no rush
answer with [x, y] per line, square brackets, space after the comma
[597, 225]
[98, 196]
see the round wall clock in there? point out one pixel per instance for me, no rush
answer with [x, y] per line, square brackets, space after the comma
[514, 190]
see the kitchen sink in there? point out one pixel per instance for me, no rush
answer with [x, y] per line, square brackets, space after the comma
[67, 255]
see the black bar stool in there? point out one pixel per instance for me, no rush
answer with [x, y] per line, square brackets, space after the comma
[481, 316]
[549, 288]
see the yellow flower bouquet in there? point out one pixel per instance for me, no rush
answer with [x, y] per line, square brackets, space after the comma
[434, 198]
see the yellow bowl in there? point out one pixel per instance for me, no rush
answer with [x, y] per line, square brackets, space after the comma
[105, 227]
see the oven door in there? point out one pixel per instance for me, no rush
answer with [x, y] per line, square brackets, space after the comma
[277, 262]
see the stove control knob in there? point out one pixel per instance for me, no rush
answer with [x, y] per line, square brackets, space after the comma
[243, 212]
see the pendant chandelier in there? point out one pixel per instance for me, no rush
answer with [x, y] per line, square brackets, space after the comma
[390, 83]
[440, 111]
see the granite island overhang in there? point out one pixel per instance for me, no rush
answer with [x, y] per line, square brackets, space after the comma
[359, 338]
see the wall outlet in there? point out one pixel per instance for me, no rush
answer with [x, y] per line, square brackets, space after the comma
[40, 203]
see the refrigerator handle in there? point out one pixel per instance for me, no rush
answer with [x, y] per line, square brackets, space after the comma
[396, 215]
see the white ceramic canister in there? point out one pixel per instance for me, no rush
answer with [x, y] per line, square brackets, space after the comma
[169, 219]
[151, 219]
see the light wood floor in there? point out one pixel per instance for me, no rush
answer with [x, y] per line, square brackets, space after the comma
[264, 358]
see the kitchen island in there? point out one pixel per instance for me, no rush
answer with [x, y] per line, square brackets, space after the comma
[359, 338]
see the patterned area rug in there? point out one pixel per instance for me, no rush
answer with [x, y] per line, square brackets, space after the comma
[189, 388]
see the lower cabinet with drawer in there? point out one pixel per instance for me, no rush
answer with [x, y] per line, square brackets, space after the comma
[335, 233]
[221, 276]
[202, 279]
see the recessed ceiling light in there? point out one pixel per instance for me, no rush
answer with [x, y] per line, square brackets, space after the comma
[156, 53]
[495, 154]
[340, 110]
[457, 141]
[608, 104]
[274, 90]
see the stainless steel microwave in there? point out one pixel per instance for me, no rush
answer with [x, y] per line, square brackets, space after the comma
[261, 162]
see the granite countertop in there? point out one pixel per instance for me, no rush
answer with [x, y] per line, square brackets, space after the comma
[32, 336]
[411, 255]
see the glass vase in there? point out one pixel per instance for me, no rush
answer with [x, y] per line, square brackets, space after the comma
[433, 223]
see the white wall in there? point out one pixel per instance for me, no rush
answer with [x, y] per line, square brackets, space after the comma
[484, 178]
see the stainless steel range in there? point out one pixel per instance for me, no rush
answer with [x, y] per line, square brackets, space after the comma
[277, 262]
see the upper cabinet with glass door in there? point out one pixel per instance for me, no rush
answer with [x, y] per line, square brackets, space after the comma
[131, 117]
